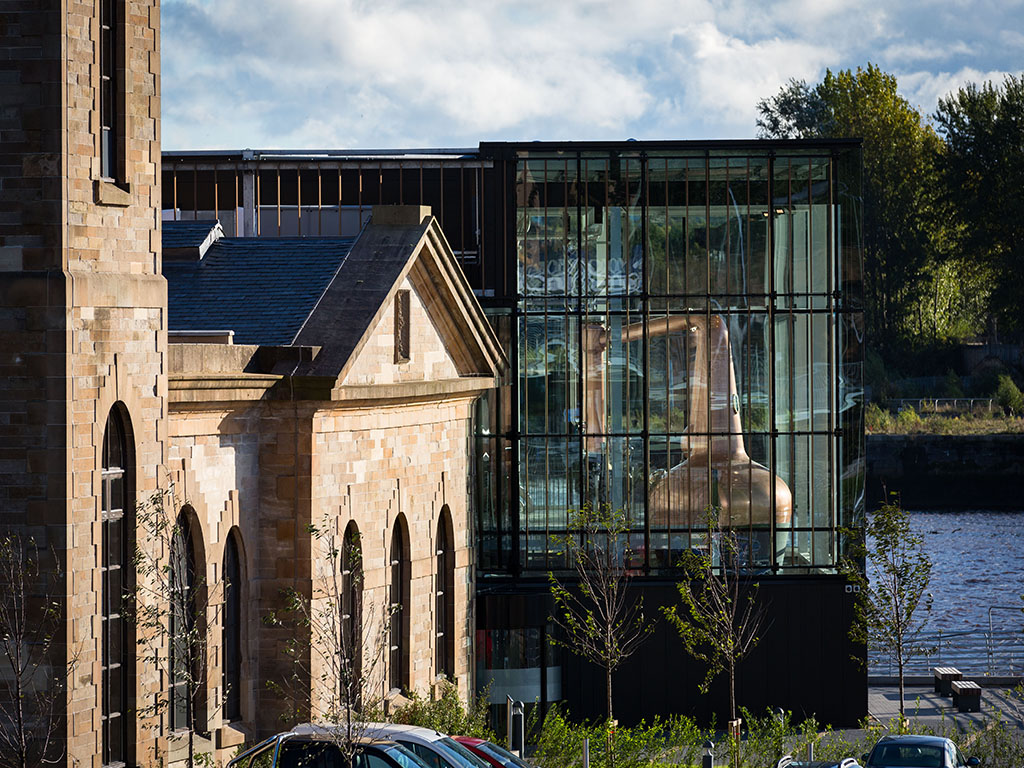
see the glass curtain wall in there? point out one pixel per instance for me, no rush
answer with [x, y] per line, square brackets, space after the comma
[688, 344]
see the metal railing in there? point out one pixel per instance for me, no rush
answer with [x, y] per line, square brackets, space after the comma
[940, 404]
[976, 652]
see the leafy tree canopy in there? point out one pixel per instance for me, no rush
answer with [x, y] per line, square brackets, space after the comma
[907, 237]
[982, 170]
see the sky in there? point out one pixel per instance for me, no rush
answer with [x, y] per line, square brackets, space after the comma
[387, 74]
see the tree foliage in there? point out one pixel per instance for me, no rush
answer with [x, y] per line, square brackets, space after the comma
[893, 601]
[33, 684]
[719, 620]
[600, 619]
[906, 233]
[982, 170]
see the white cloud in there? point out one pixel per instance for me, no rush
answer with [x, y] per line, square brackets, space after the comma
[924, 89]
[348, 73]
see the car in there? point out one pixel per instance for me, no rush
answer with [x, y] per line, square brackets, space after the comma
[917, 752]
[433, 748]
[496, 755]
[315, 747]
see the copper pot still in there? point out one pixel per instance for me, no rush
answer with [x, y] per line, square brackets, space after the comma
[716, 471]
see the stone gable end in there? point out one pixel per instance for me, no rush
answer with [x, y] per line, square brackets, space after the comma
[429, 360]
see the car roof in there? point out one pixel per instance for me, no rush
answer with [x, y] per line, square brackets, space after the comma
[471, 740]
[390, 730]
[919, 739]
[370, 732]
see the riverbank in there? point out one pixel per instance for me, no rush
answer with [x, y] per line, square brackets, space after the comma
[944, 472]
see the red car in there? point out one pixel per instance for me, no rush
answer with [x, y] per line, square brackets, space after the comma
[497, 757]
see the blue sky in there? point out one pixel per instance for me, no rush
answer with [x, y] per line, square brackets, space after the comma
[348, 74]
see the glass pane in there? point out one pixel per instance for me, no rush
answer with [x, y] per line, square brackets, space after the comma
[549, 374]
[115, 689]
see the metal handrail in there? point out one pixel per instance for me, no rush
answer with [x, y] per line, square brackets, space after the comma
[973, 652]
[920, 404]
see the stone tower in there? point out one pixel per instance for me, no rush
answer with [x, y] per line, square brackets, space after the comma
[83, 310]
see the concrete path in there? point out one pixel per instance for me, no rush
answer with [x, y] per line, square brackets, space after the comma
[926, 706]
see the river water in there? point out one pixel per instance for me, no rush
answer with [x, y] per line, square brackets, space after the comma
[977, 562]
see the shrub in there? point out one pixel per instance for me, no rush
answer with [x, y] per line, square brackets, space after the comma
[908, 420]
[1008, 395]
[877, 419]
[448, 714]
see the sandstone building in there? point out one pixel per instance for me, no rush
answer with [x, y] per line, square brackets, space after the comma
[345, 405]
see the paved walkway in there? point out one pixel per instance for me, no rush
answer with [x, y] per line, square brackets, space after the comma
[926, 706]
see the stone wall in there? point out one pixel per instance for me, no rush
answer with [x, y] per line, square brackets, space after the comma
[82, 302]
[947, 472]
[274, 467]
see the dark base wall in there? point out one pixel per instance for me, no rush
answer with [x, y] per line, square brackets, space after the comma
[947, 472]
[804, 662]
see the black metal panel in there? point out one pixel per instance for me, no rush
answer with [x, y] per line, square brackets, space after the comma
[805, 662]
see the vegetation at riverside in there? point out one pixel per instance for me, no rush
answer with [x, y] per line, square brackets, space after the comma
[943, 217]
[990, 404]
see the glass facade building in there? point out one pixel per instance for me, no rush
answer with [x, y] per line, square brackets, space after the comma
[684, 326]
[686, 335]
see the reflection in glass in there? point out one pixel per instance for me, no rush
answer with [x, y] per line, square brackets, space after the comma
[684, 344]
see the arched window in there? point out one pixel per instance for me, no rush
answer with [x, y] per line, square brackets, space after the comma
[351, 616]
[118, 523]
[232, 631]
[398, 663]
[445, 596]
[185, 629]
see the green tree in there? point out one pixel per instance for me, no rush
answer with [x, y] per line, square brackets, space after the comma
[719, 620]
[982, 167]
[893, 602]
[600, 620]
[1009, 396]
[904, 232]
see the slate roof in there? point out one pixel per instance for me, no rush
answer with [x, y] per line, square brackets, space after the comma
[186, 234]
[263, 289]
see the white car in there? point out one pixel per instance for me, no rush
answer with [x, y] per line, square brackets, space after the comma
[433, 748]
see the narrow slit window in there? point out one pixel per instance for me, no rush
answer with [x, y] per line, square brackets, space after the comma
[402, 327]
[109, 107]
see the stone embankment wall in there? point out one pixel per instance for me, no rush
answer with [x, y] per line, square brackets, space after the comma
[947, 472]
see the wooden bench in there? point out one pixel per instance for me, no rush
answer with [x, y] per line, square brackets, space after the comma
[966, 696]
[944, 677]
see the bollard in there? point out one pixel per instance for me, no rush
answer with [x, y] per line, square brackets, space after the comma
[810, 752]
[586, 753]
[518, 737]
[509, 702]
[708, 760]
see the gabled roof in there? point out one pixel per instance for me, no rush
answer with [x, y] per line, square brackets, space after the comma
[328, 294]
[263, 289]
[400, 242]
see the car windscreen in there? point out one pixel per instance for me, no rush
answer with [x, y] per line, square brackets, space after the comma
[467, 758]
[905, 756]
[501, 754]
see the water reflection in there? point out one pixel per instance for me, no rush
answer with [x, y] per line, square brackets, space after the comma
[978, 561]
